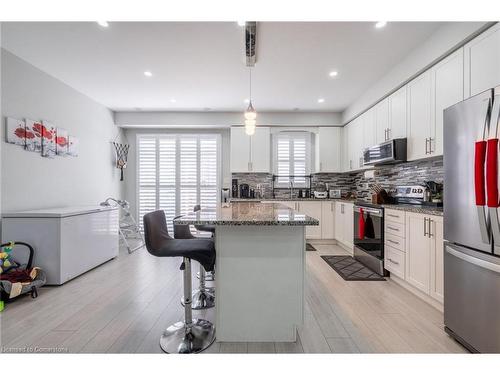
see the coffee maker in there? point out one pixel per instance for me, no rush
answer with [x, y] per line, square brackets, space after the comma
[244, 191]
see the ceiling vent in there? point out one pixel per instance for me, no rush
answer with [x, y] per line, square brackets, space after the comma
[250, 45]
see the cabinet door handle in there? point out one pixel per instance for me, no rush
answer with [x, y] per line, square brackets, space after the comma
[331, 207]
[385, 134]
[392, 261]
[388, 133]
[427, 146]
[425, 227]
[394, 242]
[392, 215]
[430, 147]
[392, 228]
[429, 220]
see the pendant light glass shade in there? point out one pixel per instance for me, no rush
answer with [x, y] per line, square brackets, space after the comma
[250, 129]
[250, 113]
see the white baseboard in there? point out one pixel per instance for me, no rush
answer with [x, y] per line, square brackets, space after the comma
[431, 301]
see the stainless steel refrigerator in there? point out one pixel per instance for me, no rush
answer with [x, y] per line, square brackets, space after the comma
[471, 222]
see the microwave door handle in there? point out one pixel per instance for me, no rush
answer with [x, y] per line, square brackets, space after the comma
[479, 173]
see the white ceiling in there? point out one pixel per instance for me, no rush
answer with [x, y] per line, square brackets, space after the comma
[201, 64]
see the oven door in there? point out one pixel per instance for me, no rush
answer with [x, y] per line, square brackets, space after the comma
[369, 230]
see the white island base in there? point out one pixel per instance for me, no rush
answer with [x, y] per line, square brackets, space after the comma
[259, 282]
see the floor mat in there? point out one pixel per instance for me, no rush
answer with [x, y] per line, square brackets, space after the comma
[310, 247]
[350, 269]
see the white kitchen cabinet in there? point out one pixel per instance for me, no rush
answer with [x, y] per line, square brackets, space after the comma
[344, 224]
[482, 62]
[260, 150]
[418, 251]
[437, 259]
[346, 148]
[327, 220]
[355, 145]
[397, 114]
[328, 150]
[424, 253]
[369, 135]
[312, 209]
[382, 121]
[419, 116]
[448, 89]
[251, 153]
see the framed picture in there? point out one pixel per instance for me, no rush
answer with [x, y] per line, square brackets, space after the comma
[16, 132]
[48, 140]
[73, 144]
[61, 142]
[33, 135]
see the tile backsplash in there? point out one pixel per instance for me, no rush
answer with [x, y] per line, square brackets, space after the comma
[409, 173]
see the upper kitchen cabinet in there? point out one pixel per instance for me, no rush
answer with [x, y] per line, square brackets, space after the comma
[390, 117]
[419, 116]
[448, 89]
[482, 62]
[328, 150]
[397, 114]
[251, 153]
[382, 121]
[427, 97]
[356, 142]
[369, 130]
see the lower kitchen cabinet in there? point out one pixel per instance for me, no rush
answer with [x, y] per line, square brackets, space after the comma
[328, 220]
[344, 224]
[312, 209]
[424, 253]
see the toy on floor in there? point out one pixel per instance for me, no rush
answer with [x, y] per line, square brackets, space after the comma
[5, 262]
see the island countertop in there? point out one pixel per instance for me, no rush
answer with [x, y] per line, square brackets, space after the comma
[249, 213]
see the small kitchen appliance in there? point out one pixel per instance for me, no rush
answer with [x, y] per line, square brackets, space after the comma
[234, 188]
[419, 194]
[244, 191]
[320, 194]
[225, 197]
[335, 193]
[389, 152]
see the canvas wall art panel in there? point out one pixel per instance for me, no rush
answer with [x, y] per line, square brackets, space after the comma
[73, 145]
[61, 142]
[48, 140]
[16, 132]
[33, 135]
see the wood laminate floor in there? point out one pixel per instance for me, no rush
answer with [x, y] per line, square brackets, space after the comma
[124, 305]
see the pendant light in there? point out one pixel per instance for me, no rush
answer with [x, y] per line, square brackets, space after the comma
[250, 114]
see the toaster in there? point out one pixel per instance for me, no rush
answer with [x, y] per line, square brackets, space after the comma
[320, 194]
[335, 194]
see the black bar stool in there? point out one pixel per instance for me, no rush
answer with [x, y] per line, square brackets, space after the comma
[190, 335]
[203, 297]
[210, 276]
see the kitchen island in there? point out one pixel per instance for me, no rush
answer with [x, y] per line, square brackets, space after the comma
[260, 268]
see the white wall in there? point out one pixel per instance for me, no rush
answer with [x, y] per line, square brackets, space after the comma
[130, 192]
[442, 42]
[30, 181]
[226, 119]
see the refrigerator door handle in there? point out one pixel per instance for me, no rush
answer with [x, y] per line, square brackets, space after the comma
[479, 173]
[473, 260]
[492, 171]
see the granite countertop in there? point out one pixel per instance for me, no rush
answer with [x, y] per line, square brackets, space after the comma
[289, 199]
[429, 210]
[249, 213]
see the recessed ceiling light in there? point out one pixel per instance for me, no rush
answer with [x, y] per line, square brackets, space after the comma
[173, 100]
[333, 74]
[380, 24]
[103, 23]
[241, 23]
[321, 100]
[147, 73]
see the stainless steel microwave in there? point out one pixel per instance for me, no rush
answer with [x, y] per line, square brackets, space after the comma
[389, 152]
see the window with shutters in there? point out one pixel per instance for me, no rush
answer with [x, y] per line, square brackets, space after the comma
[292, 157]
[177, 171]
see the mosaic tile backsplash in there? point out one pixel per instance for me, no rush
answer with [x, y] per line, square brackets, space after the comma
[410, 173]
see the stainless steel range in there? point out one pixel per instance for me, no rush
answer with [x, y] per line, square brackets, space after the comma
[369, 236]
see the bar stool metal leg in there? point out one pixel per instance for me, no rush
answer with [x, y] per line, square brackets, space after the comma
[191, 335]
[203, 297]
